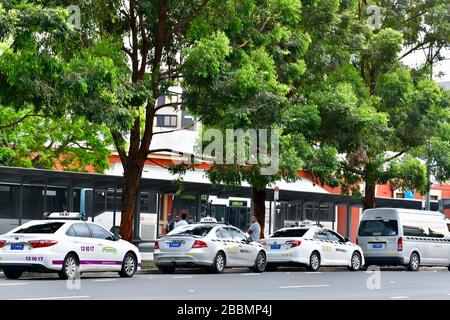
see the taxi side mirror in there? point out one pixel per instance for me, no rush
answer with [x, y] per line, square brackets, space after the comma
[346, 239]
[250, 239]
[117, 237]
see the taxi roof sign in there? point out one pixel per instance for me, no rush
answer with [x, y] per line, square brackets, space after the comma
[65, 215]
[208, 219]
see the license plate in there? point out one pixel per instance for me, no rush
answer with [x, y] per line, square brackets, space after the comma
[275, 246]
[377, 246]
[174, 244]
[17, 247]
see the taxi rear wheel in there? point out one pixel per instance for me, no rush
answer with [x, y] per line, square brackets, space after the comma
[70, 268]
[314, 262]
[260, 262]
[129, 266]
[12, 274]
[219, 263]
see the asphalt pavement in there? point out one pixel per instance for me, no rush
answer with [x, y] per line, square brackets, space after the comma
[236, 284]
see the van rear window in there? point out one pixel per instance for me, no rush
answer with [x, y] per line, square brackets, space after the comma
[378, 228]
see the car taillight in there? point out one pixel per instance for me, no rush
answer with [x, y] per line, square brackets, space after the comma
[42, 243]
[400, 244]
[199, 244]
[294, 243]
[2, 243]
[156, 245]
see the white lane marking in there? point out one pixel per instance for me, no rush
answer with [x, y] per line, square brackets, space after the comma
[191, 290]
[313, 272]
[14, 284]
[399, 297]
[391, 282]
[181, 277]
[250, 274]
[53, 298]
[104, 280]
[305, 286]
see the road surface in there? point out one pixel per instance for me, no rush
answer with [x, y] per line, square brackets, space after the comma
[392, 284]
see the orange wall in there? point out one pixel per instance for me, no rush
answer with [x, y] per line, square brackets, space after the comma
[342, 220]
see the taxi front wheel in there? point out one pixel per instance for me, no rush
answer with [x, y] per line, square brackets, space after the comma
[129, 266]
[260, 262]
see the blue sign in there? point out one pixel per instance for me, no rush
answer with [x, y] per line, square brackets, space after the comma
[409, 194]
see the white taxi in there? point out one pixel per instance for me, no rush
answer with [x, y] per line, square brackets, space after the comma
[66, 244]
[311, 247]
[208, 244]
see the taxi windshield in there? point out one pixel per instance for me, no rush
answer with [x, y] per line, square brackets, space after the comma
[197, 230]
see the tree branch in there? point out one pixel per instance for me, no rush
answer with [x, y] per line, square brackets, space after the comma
[182, 25]
[172, 104]
[395, 156]
[16, 122]
[421, 44]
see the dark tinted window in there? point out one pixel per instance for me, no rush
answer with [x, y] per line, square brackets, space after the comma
[51, 227]
[378, 228]
[424, 229]
[294, 233]
[71, 232]
[81, 230]
[192, 230]
[99, 233]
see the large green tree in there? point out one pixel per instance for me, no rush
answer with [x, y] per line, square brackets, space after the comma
[376, 111]
[38, 127]
[242, 73]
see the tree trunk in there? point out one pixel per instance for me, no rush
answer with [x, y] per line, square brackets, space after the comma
[369, 196]
[259, 208]
[131, 187]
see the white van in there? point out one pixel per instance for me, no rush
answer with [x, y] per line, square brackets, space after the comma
[412, 238]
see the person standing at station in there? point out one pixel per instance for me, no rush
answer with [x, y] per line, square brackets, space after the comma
[255, 229]
[182, 222]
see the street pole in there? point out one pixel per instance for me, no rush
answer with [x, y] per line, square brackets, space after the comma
[427, 195]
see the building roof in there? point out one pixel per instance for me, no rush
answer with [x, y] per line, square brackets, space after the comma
[102, 182]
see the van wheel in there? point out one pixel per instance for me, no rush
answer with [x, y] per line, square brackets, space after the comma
[314, 262]
[414, 262]
[12, 274]
[356, 262]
